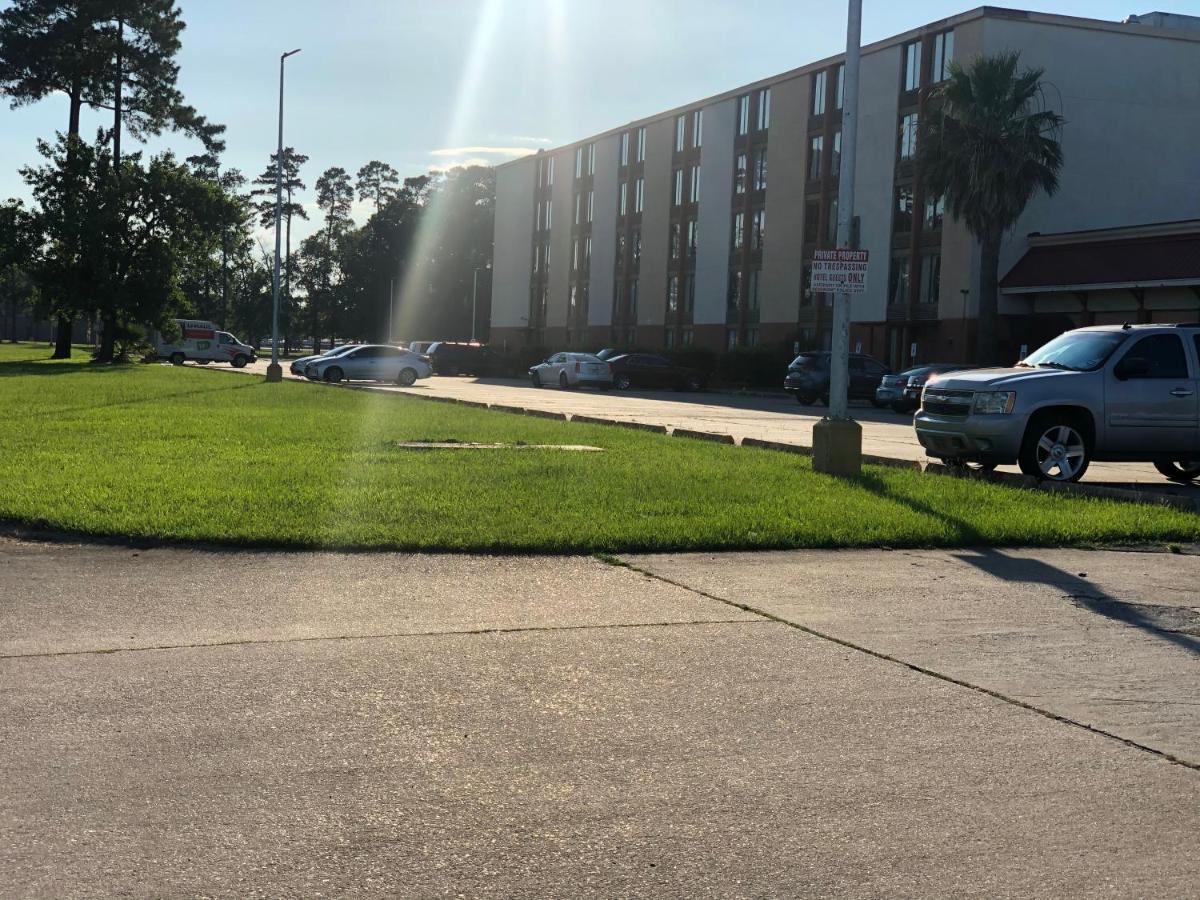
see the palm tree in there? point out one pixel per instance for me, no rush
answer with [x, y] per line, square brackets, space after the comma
[988, 144]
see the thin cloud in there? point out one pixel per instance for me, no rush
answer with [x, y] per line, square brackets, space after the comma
[511, 152]
[460, 164]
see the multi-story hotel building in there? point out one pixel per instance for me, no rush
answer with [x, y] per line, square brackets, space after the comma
[696, 226]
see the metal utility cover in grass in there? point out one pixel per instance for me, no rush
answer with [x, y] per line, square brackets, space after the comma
[466, 445]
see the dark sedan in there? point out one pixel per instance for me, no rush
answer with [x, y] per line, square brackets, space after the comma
[903, 392]
[645, 370]
[808, 377]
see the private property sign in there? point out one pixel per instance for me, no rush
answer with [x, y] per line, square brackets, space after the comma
[840, 271]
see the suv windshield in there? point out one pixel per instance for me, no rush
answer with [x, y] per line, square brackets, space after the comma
[1077, 351]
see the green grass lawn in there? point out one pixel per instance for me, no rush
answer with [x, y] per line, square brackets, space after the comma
[154, 451]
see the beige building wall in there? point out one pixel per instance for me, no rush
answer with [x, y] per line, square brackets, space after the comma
[512, 254]
[787, 171]
[652, 275]
[563, 199]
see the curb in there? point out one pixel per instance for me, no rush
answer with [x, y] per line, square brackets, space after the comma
[704, 436]
[546, 414]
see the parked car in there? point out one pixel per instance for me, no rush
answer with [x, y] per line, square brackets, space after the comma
[903, 392]
[371, 362]
[298, 366]
[421, 347]
[454, 358]
[1118, 393]
[571, 370]
[646, 370]
[808, 377]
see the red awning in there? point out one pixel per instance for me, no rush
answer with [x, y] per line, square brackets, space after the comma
[1131, 262]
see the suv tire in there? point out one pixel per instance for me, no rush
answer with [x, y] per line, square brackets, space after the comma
[1057, 447]
[1184, 471]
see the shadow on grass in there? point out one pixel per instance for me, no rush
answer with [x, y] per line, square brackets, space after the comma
[56, 411]
[48, 366]
[1165, 623]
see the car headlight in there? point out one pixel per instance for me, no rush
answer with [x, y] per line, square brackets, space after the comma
[993, 403]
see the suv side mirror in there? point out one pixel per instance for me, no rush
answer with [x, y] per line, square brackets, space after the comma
[1132, 367]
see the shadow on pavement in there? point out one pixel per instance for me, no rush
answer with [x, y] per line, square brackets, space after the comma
[1176, 625]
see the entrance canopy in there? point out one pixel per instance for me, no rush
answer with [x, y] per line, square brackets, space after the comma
[1137, 258]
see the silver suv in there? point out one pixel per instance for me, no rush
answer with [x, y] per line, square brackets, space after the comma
[1122, 393]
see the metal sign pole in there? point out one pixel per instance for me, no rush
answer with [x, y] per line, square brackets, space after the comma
[837, 439]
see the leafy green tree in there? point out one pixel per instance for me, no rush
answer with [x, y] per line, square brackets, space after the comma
[18, 247]
[114, 55]
[334, 198]
[378, 182]
[124, 245]
[264, 207]
[988, 144]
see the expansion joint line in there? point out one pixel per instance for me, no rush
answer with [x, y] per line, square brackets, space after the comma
[922, 670]
[466, 632]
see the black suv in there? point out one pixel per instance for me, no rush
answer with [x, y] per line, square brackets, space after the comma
[450, 358]
[808, 377]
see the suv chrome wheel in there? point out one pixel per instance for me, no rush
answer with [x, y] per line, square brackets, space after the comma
[1055, 451]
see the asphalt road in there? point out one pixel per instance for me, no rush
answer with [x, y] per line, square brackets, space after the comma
[774, 418]
[191, 723]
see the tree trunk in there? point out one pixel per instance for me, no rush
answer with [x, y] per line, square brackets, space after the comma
[987, 342]
[62, 343]
[108, 340]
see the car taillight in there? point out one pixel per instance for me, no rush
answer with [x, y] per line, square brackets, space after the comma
[578, 367]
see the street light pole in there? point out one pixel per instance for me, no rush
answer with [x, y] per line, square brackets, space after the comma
[274, 371]
[474, 301]
[837, 439]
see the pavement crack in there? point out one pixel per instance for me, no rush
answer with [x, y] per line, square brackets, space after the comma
[921, 670]
[465, 632]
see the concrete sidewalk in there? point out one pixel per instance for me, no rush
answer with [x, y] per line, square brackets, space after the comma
[180, 723]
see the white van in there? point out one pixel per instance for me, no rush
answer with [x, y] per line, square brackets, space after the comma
[203, 342]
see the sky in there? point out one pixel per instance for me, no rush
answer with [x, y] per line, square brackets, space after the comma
[426, 84]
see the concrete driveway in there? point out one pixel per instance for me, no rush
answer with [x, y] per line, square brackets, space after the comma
[998, 724]
[773, 418]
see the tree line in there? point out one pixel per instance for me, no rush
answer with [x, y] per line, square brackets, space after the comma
[131, 242]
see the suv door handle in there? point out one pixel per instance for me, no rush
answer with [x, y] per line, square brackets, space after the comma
[1181, 392]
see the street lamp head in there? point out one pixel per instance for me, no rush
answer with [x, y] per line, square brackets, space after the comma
[290, 53]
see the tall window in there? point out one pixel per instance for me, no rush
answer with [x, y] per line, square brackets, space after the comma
[697, 127]
[633, 298]
[943, 55]
[691, 238]
[739, 174]
[676, 240]
[640, 155]
[578, 162]
[935, 211]
[840, 94]
[689, 292]
[912, 66]
[760, 170]
[764, 109]
[908, 136]
[758, 229]
[636, 245]
[576, 255]
[623, 199]
[739, 230]
[677, 194]
[835, 158]
[587, 253]
[752, 289]
[680, 131]
[898, 286]
[820, 87]
[550, 171]
[816, 147]
[931, 277]
[549, 216]
[591, 205]
[743, 106]
[673, 294]
[591, 159]
[639, 195]
[694, 195]
[625, 148]
[903, 219]
[620, 249]
[735, 289]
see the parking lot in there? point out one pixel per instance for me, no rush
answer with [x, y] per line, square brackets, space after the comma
[766, 417]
